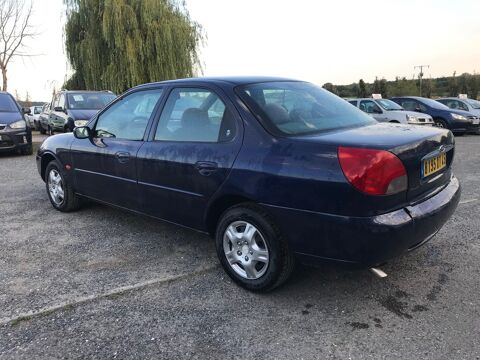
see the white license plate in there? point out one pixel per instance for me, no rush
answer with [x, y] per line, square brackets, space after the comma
[476, 121]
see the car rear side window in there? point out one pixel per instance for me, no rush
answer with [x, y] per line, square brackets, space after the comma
[7, 104]
[295, 108]
[195, 115]
[128, 118]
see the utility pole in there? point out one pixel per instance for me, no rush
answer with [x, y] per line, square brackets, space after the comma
[420, 74]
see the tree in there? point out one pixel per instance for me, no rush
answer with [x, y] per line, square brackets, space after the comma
[15, 28]
[117, 44]
[362, 89]
[28, 100]
[453, 85]
[330, 87]
[383, 88]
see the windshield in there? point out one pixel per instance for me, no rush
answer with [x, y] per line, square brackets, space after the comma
[294, 108]
[89, 101]
[473, 103]
[434, 104]
[7, 104]
[37, 110]
[389, 104]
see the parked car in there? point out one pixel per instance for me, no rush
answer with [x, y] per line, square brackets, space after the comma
[385, 110]
[276, 170]
[33, 117]
[75, 108]
[43, 119]
[15, 134]
[470, 105]
[458, 121]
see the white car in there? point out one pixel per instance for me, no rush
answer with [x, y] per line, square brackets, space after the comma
[384, 110]
[33, 117]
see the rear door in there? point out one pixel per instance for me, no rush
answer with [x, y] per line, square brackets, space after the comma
[191, 152]
[105, 165]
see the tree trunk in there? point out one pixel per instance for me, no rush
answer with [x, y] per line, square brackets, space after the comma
[4, 76]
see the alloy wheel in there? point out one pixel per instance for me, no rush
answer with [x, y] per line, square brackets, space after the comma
[55, 187]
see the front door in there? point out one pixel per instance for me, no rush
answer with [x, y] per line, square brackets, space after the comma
[105, 165]
[196, 141]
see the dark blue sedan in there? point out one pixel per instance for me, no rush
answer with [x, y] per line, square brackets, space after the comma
[276, 170]
[458, 121]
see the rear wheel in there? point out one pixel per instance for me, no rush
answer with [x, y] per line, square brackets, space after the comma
[59, 189]
[252, 250]
[50, 130]
[42, 130]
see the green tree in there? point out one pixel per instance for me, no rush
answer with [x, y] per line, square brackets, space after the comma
[117, 44]
[453, 85]
[330, 87]
[362, 89]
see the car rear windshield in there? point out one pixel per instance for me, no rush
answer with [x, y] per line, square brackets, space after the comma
[295, 108]
[89, 101]
[7, 104]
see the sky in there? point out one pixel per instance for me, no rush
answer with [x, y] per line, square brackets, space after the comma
[337, 41]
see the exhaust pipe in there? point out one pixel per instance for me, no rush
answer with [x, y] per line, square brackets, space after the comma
[378, 272]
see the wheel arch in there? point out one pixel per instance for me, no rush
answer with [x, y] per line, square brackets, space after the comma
[46, 159]
[219, 206]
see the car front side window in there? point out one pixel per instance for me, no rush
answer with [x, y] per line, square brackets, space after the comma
[370, 107]
[195, 115]
[128, 118]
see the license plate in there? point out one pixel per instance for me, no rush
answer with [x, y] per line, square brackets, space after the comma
[435, 164]
[476, 121]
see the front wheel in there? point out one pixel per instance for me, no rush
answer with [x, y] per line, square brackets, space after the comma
[252, 250]
[27, 150]
[441, 123]
[59, 189]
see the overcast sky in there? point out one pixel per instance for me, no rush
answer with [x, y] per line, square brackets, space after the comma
[337, 41]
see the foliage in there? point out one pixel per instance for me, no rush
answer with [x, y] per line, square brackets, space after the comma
[117, 44]
[443, 86]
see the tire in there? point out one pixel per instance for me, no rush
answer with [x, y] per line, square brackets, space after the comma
[265, 243]
[27, 150]
[37, 125]
[42, 130]
[440, 123]
[69, 201]
[50, 130]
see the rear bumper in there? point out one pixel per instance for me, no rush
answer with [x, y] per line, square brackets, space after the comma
[366, 241]
[13, 140]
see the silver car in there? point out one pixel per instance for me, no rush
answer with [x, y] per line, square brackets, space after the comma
[385, 110]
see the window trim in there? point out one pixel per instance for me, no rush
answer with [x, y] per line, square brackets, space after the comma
[220, 95]
[94, 120]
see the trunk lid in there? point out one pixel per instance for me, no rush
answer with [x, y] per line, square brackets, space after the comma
[411, 144]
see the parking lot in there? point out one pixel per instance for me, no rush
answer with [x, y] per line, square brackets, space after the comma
[105, 283]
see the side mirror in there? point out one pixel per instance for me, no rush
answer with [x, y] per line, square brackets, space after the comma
[58, 108]
[26, 110]
[82, 132]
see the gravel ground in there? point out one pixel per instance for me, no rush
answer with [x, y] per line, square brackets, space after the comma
[102, 283]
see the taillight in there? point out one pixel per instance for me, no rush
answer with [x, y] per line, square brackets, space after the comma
[374, 172]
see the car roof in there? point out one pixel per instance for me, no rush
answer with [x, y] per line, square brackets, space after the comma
[85, 91]
[232, 80]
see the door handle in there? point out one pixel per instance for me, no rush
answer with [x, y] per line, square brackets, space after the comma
[206, 168]
[122, 156]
